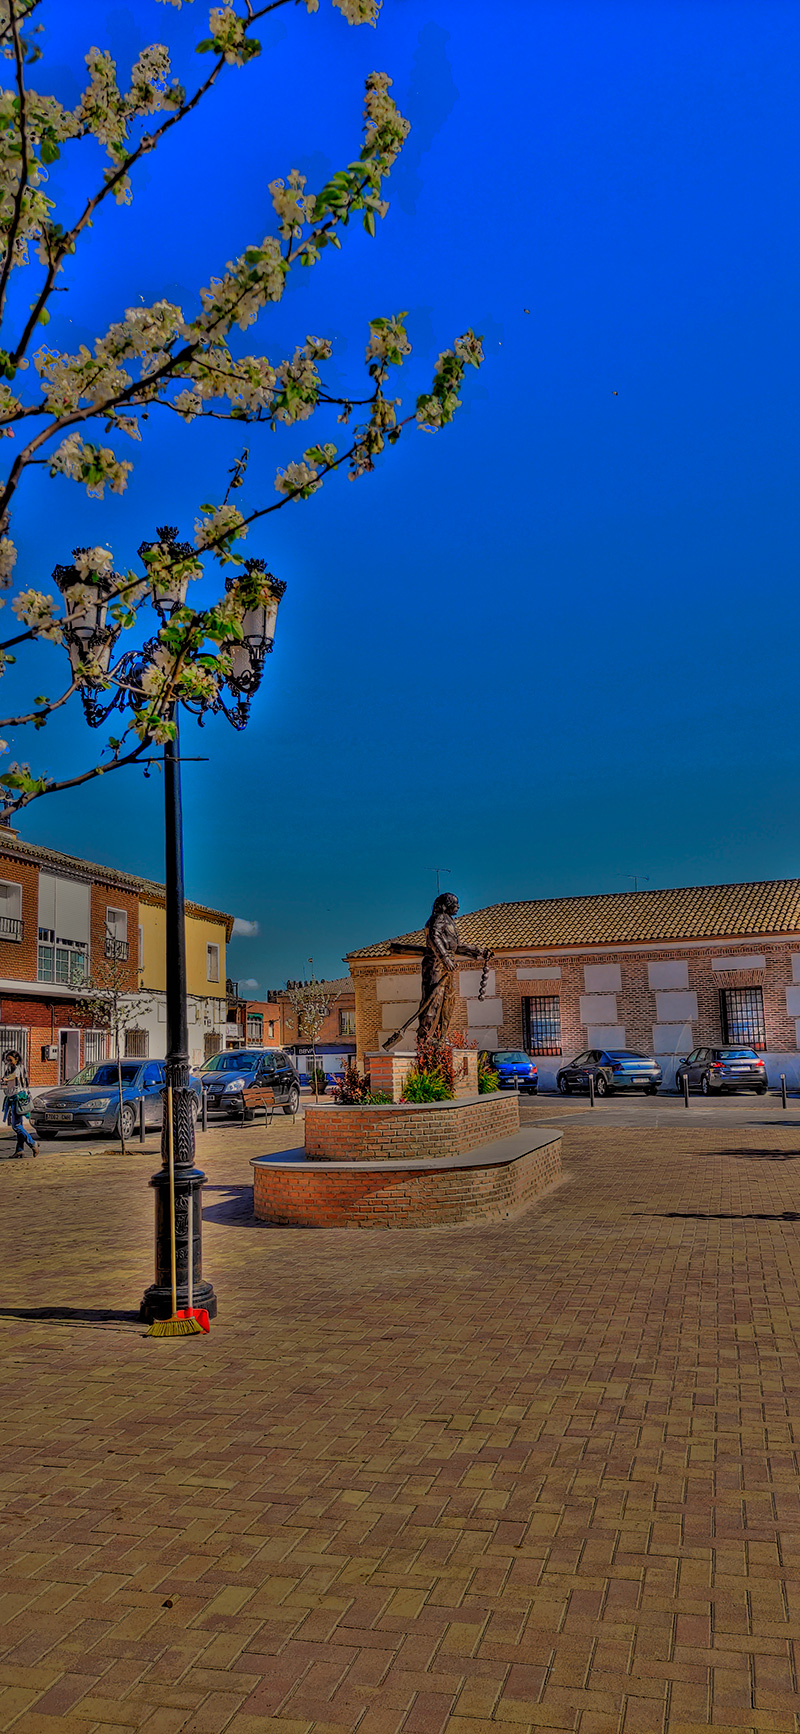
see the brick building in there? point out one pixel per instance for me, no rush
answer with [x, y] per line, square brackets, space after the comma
[661, 972]
[273, 1023]
[63, 920]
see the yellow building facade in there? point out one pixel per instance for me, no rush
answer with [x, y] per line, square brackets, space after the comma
[207, 935]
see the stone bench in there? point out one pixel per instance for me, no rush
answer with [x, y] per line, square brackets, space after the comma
[488, 1184]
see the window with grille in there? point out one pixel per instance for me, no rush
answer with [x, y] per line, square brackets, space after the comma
[541, 1024]
[211, 1044]
[742, 1016]
[95, 1047]
[255, 1028]
[13, 1036]
[137, 1044]
[347, 1023]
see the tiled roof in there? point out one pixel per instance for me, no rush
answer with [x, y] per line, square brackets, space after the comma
[13, 848]
[620, 917]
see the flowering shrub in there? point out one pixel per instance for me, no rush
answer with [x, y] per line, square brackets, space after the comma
[353, 1088]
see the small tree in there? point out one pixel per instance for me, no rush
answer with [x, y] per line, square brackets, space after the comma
[312, 1002]
[115, 1008]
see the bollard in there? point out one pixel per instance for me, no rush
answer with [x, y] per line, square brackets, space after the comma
[591, 1089]
[783, 1088]
[686, 1089]
[141, 1119]
[204, 1110]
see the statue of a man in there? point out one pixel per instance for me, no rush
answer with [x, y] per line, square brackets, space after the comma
[442, 948]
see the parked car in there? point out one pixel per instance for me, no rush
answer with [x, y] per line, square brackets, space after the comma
[90, 1101]
[713, 1070]
[515, 1070]
[617, 1069]
[227, 1078]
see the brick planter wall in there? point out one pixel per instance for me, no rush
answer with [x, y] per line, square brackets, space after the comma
[481, 1188]
[388, 1072]
[411, 1131]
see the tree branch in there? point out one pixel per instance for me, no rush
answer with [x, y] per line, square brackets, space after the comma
[22, 184]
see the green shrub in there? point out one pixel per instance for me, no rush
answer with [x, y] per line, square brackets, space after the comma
[378, 1097]
[428, 1086]
[317, 1078]
[487, 1078]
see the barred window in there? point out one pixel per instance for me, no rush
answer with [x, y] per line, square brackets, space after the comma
[95, 1046]
[541, 1024]
[742, 1016]
[137, 1044]
[14, 1036]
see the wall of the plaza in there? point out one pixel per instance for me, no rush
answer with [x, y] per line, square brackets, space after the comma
[655, 999]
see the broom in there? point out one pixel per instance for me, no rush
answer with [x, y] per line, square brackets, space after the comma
[174, 1326]
[191, 1311]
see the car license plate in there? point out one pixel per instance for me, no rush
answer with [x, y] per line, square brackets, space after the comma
[644, 1080]
[52, 1116]
[741, 1068]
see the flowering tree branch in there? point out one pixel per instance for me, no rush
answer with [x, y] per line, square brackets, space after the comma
[184, 362]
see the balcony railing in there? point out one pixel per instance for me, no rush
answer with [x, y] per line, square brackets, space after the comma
[11, 927]
[118, 949]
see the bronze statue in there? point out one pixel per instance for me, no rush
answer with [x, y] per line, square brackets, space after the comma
[439, 954]
[442, 949]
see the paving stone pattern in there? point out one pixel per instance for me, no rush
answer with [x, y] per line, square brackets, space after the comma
[538, 1475]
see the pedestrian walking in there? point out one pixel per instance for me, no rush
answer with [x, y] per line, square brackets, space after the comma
[16, 1094]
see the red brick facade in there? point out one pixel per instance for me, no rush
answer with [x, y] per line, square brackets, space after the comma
[374, 1196]
[425, 1131]
[633, 1011]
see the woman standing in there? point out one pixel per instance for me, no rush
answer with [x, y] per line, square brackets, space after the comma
[17, 1098]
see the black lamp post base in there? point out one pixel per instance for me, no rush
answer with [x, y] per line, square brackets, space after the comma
[157, 1299]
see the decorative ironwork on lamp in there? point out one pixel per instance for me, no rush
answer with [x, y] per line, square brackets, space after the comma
[248, 653]
[88, 635]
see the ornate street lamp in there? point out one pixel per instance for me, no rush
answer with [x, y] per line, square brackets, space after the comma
[90, 642]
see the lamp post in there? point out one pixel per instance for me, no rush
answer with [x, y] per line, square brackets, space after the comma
[90, 643]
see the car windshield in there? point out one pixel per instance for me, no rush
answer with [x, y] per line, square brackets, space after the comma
[238, 1061]
[106, 1074]
[507, 1059]
[737, 1054]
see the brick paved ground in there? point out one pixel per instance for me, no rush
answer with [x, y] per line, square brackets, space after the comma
[541, 1476]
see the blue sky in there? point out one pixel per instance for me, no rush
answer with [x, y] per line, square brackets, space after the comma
[555, 644]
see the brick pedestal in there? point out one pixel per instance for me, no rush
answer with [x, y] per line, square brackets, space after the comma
[388, 1072]
[490, 1184]
[417, 1131]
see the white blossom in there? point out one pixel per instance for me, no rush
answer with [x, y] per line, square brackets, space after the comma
[97, 561]
[225, 524]
[298, 479]
[8, 557]
[359, 11]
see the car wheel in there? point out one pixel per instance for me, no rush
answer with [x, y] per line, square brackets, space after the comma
[705, 1085]
[601, 1085]
[652, 1090]
[563, 1086]
[126, 1120]
[294, 1101]
[195, 1109]
[761, 1089]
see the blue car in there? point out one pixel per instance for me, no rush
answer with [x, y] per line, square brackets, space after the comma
[515, 1070]
[90, 1101]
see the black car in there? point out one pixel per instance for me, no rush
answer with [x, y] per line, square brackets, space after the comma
[620, 1069]
[227, 1076]
[713, 1070]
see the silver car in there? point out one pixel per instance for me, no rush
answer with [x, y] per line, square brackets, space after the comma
[90, 1101]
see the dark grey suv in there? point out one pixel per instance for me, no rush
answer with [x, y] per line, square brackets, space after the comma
[235, 1080]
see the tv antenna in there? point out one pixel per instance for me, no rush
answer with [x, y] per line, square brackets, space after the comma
[645, 878]
[437, 871]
